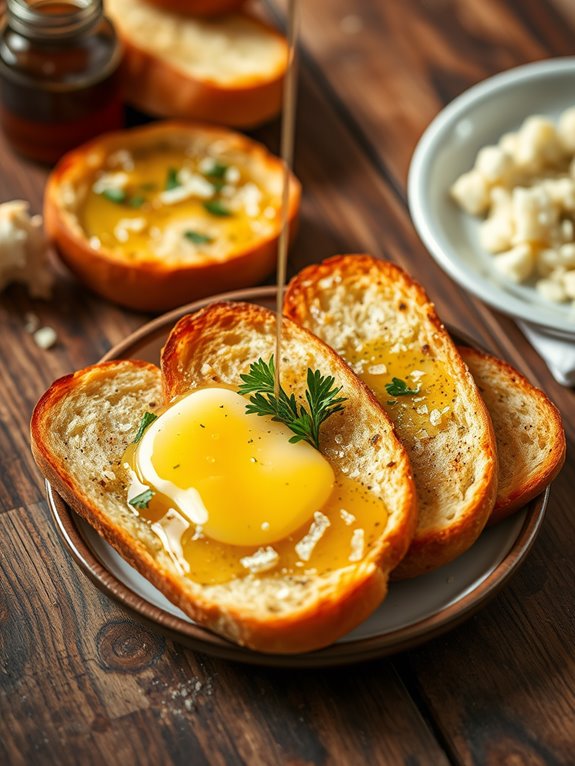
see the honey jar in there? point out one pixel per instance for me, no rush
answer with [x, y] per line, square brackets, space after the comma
[59, 81]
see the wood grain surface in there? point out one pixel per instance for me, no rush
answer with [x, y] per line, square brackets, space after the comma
[82, 681]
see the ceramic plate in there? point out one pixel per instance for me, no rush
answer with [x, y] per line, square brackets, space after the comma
[448, 148]
[414, 610]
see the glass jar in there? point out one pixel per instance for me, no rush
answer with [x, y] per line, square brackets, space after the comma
[59, 80]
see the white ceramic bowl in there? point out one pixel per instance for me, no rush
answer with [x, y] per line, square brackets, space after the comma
[448, 148]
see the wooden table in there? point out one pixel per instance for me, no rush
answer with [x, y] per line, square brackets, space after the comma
[82, 681]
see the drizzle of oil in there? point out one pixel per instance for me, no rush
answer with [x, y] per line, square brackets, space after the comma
[351, 507]
[287, 144]
[416, 416]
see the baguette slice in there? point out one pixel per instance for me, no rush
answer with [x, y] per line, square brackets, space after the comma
[83, 424]
[156, 267]
[227, 69]
[528, 430]
[360, 305]
[199, 7]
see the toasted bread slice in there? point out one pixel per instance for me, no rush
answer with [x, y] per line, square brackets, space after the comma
[132, 213]
[83, 424]
[382, 322]
[227, 69]
[199, 7]
[528, 430]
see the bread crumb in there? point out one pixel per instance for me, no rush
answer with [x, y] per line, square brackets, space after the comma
[31, 322]
[45, 337]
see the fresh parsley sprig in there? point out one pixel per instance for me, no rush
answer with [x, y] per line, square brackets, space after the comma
[321, 396]
[142, 500]
[399, 387]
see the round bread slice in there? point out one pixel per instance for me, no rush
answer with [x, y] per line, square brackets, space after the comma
[161, 215]
[382, 322]
[83, 424]
[227, 69]
[528, 430]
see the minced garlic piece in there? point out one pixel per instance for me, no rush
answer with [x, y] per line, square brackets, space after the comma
[305, 547]
[260, 561]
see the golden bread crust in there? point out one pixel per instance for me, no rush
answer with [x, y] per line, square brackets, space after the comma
[528, 429]
[199, 7]
[357, 296]
[153, 284]
[163, 84]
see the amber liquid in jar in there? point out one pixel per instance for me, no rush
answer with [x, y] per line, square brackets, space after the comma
[59, 82]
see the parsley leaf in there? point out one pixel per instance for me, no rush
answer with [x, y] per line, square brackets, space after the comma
[217, 170]
[147, 419]
[136, 201]
[215, 207]
[197, 237]
[142, 500]
[399, 387]
[305, 422]
[114, 195]
[172, 179]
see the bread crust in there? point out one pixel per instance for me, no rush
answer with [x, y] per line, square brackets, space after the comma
[521, 415]
[160, 86]
[67, 432]
[312, 299]
[199, 7]
[154, 284]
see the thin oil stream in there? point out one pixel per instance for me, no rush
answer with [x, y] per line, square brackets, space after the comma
[287, 146]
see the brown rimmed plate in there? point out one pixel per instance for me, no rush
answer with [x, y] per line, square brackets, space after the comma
[414, 611]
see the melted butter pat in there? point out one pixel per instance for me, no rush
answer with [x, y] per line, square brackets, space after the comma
[416, 416]
[151, 222]
[236, 476]
[256, 498]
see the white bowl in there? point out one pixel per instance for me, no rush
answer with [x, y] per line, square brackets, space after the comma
[448, 148]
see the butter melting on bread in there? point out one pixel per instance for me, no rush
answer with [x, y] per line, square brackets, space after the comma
[82, 430]
[383, 324]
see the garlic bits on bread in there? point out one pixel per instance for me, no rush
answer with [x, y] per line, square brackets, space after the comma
[383, 324]
[225, 69]
[157, 216]
[208, 479]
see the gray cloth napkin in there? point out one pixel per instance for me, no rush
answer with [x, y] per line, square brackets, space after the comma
[558, 353]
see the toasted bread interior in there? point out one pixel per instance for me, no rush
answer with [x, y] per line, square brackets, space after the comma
[530, 437]
[384, 325]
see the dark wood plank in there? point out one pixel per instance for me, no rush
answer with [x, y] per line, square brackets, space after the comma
[81, 681]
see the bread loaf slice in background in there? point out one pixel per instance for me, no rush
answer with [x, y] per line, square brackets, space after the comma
[199, 7]
[225, 69]
[357, 302]
[530, 437]
[83, 424]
